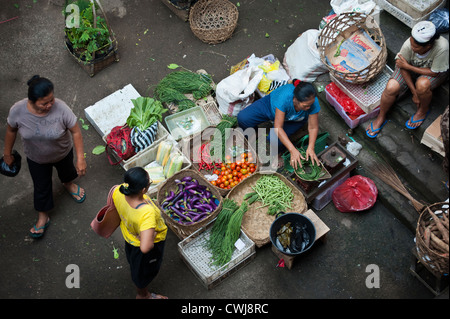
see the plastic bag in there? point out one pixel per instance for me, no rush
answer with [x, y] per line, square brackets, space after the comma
[236, 91]
[440, 20]
[14, 169]
[302, 58]
[357, 193]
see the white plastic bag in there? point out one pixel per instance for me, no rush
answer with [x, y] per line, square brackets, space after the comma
[237, 91]
[363, 6]
[302, 58]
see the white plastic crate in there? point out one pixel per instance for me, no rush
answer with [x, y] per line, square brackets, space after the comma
[149, 155]
[367, 95]
[198, 258]
[418, 5]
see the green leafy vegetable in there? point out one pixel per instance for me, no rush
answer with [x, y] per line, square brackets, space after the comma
[98, 150]
[145, 112]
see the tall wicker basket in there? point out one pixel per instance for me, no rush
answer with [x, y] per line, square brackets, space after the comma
[213, 21]
[99, 62]
[341, 28]
[430, 244]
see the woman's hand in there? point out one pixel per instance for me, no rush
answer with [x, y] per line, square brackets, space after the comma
[311, 155]
[296, 158]
[8, 159]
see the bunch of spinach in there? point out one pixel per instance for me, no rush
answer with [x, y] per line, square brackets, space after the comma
[145, 112]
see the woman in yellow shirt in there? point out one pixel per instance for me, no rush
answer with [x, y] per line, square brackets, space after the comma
[143, 229]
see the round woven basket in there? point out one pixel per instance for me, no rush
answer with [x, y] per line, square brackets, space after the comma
[213, 21]
[183, 231]
[256, 222]
[341, 28]
[430, 244]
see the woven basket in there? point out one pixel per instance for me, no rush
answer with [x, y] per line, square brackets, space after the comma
[256, 222]
[183, 231]
[431, 254]
[98, 63]
[213, 21]
[191, 151]
[341, 28]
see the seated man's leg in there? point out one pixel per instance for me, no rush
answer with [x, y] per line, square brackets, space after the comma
[424, 88]
[388, 97]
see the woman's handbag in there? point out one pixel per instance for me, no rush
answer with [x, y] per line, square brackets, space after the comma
[107, 219]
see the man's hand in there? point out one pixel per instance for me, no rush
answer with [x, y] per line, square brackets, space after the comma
[402, 63]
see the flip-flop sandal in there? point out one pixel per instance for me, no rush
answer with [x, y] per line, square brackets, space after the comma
[377, 131]
[39, 235]
[78, 194]
[411, 120]
[155, 296]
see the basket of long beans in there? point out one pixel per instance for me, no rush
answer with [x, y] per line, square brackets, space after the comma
[274, 193]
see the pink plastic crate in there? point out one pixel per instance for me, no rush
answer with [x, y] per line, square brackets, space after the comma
[351, 123]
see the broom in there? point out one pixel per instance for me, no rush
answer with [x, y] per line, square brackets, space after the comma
[387, 174]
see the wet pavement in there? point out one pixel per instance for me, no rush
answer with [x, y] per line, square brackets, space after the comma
[150, 37]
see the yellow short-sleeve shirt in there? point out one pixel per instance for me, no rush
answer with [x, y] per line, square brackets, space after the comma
[134, 221]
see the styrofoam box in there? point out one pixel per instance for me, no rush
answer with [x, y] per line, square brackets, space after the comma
[114, 110]
[198, 258]
[404, 17]
[351, 123]
[149, 155]
[367, 95]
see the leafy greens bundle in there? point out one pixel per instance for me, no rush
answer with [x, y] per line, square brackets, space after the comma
[145, 112]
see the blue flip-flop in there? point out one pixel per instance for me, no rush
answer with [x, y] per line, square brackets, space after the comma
[377, 131]
[78, 194]
[39, 235]
[411, 120]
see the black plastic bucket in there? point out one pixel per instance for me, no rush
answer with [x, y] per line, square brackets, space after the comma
[302, 238]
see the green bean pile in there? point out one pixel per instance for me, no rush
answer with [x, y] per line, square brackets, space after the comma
[273, 192]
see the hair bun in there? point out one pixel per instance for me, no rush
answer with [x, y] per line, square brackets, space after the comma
[35, 77]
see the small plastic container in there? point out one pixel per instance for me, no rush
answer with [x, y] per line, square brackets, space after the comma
[187, 123]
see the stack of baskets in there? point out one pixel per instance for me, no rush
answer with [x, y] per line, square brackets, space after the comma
[213, 21]
[432, 238]
[341, 28]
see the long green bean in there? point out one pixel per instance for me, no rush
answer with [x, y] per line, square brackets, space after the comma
[273, 192]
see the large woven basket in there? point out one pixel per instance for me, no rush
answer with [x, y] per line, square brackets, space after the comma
[213, 21]
[341, 28]
[256, 222]
[183, 231]
[431, 247]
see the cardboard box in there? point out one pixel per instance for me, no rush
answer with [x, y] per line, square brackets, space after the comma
[433, 138]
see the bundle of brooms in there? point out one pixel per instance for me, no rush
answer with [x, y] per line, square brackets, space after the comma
[387, 174]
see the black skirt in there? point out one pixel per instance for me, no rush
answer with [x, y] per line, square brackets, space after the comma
[144, 267]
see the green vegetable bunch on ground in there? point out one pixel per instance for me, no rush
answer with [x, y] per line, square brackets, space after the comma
[145, 112]
[172, 87]
[226, 231]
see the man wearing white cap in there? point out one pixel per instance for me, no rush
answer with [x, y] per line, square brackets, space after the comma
[421, 66]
